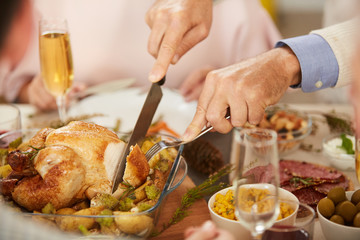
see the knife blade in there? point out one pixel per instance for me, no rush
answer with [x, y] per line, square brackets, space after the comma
[141, 127]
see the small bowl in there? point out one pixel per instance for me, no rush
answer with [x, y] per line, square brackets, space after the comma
[293, 201]
[128, 225]
[288, 140]
[236, 228]
[334, 231]
[232, 226]
[337, 157]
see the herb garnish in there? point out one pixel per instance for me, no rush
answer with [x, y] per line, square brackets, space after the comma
[33, 153]
[347, 144]
[297, 180]
[337, 122]
[129, 190]
[208, 187]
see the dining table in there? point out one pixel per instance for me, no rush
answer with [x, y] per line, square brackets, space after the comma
[320, 130]
[199, 212]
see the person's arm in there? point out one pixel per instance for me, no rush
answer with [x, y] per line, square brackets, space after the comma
[35, 93]
[342, 40]
[312, 62]
[319, 67]
[247, 88]
[176, 26]
[325, 55]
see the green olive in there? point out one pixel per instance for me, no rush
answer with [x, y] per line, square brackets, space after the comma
[337, 194]
[355, 198]
[326, 207]
[347, 210]
[337, 207]
[356, 222]
[358, 206]
[337, 219]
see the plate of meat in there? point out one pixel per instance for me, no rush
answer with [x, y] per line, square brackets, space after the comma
[307, 181]
[311, 182]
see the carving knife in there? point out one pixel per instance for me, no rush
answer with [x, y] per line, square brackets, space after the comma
[141, 127]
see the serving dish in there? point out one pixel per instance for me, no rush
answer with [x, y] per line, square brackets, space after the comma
[311, 182]
[335, 231]
[337, 156]
[97, 223]
[236, 228]
[291, 126]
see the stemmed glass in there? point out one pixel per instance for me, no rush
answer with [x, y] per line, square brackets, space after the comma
[256, 179]
[56, 60]
[10, 120]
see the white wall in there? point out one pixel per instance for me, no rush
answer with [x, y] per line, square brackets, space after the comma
[300, 5]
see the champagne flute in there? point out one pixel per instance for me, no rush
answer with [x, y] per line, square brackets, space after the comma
[56, 60]
[256, 179]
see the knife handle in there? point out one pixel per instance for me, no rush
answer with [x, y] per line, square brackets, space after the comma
[162, 81]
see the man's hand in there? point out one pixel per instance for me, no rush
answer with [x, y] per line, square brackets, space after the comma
[247, 88]
[176, 26]
[207, 231]
[35, 93]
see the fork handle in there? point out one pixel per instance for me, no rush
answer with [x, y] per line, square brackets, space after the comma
[207, 129]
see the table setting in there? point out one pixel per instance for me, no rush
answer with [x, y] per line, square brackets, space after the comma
[311, 151]
[180, 182]
[96, 104]
[90, 158]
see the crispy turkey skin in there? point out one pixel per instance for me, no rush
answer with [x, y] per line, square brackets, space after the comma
[76, 162]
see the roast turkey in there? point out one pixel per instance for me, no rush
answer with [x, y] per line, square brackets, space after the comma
[75, 162]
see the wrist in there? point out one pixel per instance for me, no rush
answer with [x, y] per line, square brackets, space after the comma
[290, 64]
[23, 96]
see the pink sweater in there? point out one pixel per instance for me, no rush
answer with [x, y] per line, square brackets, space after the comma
[109, 41]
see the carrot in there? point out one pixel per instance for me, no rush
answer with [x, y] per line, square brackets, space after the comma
[161, 125]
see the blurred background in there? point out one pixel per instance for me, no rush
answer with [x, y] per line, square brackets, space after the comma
[295, 18]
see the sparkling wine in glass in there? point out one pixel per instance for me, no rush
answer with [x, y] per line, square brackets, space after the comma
[56, 60]
[256, 179]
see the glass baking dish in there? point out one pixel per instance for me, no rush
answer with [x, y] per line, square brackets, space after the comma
[119, 225]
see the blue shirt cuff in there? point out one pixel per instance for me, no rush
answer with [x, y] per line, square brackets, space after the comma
[319, 67]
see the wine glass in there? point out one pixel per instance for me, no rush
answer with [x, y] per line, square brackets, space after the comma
[56, 60]
[10, 118]
[256, 179]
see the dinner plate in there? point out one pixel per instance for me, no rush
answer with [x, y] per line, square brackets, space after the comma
[126, 105]
[109, 86]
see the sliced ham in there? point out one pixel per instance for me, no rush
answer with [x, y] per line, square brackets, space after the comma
[321, 180]
[309, 196]
[326, 187]
[309, 182]
[305, 170]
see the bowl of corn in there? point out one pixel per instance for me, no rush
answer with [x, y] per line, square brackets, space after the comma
[222, 211]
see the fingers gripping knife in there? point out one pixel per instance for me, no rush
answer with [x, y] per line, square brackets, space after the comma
[141, 127]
